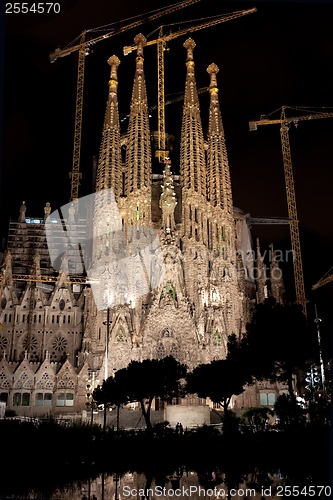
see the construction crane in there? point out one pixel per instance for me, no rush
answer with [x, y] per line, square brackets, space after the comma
[267, 220]
[323, 281]
[83, 49]
[161, 41]
[170, 100]
[285, 123]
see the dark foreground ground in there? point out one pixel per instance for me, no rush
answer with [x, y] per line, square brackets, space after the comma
[47, 456]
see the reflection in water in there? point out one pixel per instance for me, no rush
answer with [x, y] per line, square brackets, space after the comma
[67, 463]
[183, 484]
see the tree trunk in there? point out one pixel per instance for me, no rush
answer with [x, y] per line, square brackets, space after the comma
[118, 410]
[146, 414]
[104, 417]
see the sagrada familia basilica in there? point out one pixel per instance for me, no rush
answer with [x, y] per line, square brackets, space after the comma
[172, 259]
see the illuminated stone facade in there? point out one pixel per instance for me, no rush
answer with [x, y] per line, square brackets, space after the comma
[55, 338]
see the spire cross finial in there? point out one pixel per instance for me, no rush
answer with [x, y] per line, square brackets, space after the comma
[212, 70]
[189, 45]
[140, 41]
[114, 62]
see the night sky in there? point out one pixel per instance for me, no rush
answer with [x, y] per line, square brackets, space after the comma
[281, 55]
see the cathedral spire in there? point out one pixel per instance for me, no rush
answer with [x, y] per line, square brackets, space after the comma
[219, 183]
[192, 154]
[138, 152]
[109, 164]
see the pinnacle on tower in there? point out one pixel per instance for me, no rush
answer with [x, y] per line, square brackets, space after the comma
[192, 153]
[219, 183]
[108, 179]
[109, 164]
[138, 152]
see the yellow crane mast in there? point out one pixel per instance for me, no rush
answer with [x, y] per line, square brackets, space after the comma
[285, 123]
[83, 50]
[161, 41]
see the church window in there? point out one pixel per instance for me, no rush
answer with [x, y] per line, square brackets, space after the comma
[169, 290]
[21, 399]
[52, 318]
[45, 382]
[66, 382]
[263, 399]
[121, 337]
[174, 350]
[4, 396]
[17, 399]
[3, 302]
[57, 318]
[10, 318]
[166, 333]
[4, 383]
[223, 233]
[267, 398]
[61, 399]
[217, 338]
[68, 319]
[3, 343]
[32, 344]
[62, 305]
[65, 399]
[161, 351]
[23, 318]
[5, 318]
[196, 234]
[39, 318]
[43, 399]
[59, 343]
[137, 211]
[195, 215]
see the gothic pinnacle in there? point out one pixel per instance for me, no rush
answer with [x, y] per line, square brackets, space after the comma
[109, 162]
[192, 155]
[212, 70]
[219, 183]
[189, 45]
[140, 41]
[114, 62]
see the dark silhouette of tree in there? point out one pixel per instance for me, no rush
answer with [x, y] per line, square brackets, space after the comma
[289, 413]
[143, 381]
[279, 342]
[218, 380]
[110, 393]
[257, 418]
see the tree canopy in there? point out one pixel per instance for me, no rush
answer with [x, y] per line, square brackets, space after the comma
[143, 381]
[218, 380]
[279, 342]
